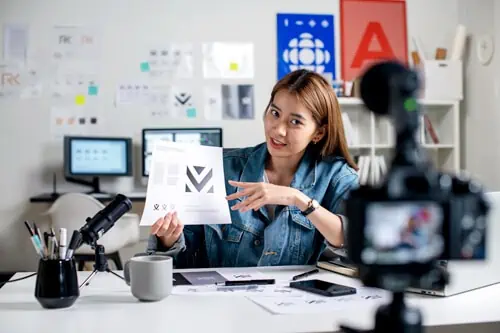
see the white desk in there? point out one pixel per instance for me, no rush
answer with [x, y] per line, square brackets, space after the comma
[108, 306]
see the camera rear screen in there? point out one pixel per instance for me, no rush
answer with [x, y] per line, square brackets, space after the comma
[402, 232]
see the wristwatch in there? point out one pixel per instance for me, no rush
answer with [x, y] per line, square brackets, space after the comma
[311, 206]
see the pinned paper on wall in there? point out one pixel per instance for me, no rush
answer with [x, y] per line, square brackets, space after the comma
[158, 97]
[306, 41]
[229, 102]
[132, 93]
[80, 100]
[228, 60]
[15, 42]
[145, 66]
[93, 90]
[371, 31]
[212, 96]
[191, 112]
[22, 82]
[238, 101]
[64, 121]
[69, 84]
[71, 43]
[182, 100]
[172, 60]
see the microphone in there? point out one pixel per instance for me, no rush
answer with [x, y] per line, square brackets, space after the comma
[379, 81]
[105, 219]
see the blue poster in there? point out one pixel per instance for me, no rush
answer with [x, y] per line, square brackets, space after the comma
[306, 41]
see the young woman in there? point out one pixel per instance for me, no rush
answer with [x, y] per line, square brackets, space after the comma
[285, 195]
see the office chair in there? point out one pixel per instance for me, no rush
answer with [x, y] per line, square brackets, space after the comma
[72, 209]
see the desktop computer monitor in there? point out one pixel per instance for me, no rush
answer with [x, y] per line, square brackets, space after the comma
[96, 157]
[203, 136]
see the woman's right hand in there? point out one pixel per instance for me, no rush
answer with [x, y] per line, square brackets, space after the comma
[168, 228]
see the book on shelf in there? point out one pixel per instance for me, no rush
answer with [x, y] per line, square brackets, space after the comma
[371, 169]
[351, 130]
[429, 129]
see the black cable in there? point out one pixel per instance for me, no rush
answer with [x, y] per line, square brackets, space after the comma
[19, 279]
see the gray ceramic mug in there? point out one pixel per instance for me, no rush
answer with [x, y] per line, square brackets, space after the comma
[149, 277]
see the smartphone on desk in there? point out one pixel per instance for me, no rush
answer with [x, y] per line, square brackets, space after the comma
[323, 288]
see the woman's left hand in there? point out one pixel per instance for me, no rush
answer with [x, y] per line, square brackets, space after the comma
[260, 194]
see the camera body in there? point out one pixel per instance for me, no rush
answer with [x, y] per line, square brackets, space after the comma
[401, 228]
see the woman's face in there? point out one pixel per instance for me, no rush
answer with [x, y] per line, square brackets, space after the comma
[289, 127]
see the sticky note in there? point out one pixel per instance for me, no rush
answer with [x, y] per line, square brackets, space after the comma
[191, 113]
[145, 66]
[93, 90]
[80, 99]
[233, 66]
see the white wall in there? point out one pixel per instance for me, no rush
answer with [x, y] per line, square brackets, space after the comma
[126, 26]
[479, 110]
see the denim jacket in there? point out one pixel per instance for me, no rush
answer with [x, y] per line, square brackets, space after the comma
[252, 239]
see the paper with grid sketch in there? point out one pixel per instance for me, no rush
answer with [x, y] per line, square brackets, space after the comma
[189, 179]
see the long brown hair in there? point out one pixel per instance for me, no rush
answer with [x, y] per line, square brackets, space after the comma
[314, 92]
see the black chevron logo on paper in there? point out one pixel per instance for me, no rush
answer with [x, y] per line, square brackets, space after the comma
[183, 98]
[199, 179]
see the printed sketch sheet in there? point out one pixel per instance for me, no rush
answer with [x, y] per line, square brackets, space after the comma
[311, 303]
[189, 179]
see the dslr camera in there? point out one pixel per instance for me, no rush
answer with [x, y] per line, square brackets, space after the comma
[401, 228]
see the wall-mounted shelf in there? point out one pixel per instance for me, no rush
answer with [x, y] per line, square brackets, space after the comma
[372, 136]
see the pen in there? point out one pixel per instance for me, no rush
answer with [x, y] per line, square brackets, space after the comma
[73, 243]
[233, 288]
[34, 240]
[314, 271]
[40, 238]
[249, 282]
[53, 233]
[62, 243]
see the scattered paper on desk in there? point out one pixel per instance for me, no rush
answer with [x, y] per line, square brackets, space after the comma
[243, 275]
[280, 291]
[311, 303]
[188, 179]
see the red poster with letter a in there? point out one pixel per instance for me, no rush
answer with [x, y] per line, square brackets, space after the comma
[371, 30]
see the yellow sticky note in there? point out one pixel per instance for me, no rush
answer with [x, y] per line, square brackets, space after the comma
[233, 66]
[80, 99]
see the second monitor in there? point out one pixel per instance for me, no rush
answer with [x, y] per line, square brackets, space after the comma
[208, 136]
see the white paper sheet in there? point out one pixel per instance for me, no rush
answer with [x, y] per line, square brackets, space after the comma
[228, 60]
[188, 179]
[311, 303]
[182, 102]
[133, 93]
[268, 291]
[15, 42]
[10, 84]
[212, 97]
[173, 60]
[74, 43]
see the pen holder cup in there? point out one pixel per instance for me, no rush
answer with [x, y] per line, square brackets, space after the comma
[56, 283]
